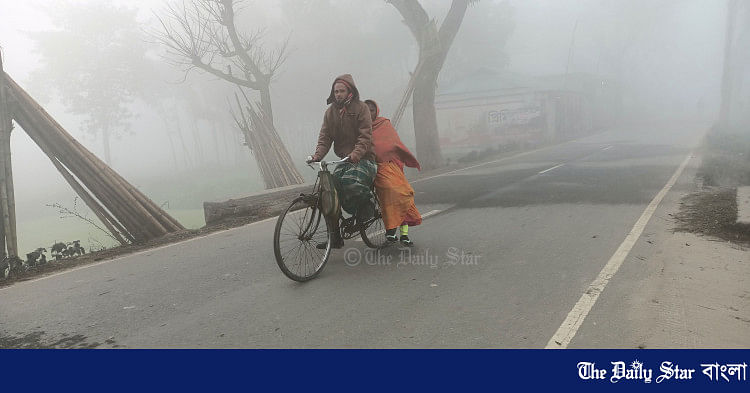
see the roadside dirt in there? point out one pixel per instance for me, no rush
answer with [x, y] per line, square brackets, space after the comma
[712, 212]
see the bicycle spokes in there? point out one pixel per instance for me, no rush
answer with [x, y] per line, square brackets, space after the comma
[299, 231]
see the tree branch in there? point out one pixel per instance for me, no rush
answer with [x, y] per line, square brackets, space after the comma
[452, 22]
[202, 34]
[415, 17]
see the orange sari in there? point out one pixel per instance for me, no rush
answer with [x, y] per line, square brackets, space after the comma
[396, 197]
[395, 194]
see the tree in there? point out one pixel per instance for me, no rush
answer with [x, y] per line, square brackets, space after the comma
[482, 42]
[628, 38]
[203, 34]
[434, 44]
[728, 73]
[92, 63]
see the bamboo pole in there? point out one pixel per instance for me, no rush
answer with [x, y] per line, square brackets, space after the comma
[399, 113]
[166, 219]
[251, 139]
[92, 204]
[33, 125]
[102, 193]
[149, 223]
[6, 182]
[154, 212]
[268, 146]
[269, 130]
[120, 186]
[105, 217]
[142, 218]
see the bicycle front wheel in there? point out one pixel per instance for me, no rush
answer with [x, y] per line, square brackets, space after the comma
[299, 230]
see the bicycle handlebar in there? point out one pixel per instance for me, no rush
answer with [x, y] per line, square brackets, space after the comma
[324, 164]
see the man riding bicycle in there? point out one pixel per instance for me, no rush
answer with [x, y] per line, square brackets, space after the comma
[347, 125]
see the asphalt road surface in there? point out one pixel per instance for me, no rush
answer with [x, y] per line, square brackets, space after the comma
[505, 254]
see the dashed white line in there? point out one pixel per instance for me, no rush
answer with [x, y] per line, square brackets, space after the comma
[433, 212]
[494, 161]
[574, 320]
[547, 170]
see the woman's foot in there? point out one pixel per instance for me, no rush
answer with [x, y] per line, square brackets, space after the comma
[406, 241]
[390, 235]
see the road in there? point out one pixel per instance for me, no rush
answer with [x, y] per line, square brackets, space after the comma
[535, 230]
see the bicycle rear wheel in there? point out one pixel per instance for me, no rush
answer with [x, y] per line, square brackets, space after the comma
[373, 231]
[299, 229]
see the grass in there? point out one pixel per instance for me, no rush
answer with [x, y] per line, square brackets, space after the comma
[181, 195]
[44, 231]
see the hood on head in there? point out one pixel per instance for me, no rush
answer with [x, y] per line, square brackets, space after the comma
[350, 81]
[377, 108]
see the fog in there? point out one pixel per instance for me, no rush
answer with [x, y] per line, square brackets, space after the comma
[666, 56]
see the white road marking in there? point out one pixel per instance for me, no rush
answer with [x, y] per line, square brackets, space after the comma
[382, 231]
[547, 170]
[565, 333]
[607, 148]
[138, 253]
[260, 222]
[495, 161]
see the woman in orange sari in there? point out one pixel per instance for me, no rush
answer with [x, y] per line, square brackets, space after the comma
[395, 195]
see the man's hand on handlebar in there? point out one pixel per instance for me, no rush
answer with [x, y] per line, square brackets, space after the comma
[309, 160]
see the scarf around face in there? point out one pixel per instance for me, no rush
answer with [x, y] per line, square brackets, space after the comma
[387, 144]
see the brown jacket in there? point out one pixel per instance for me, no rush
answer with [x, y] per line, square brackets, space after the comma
[350, 133]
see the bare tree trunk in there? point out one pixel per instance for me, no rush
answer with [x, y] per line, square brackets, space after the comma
[425, 118]
[5, 206]
[265, 102]
[11, 188]
[200, 159]
[215, 136]
[3, 253]
[434, 45]
[727, 77]
[7, 199]
[185, 152]
[167, 131]
[172, 149]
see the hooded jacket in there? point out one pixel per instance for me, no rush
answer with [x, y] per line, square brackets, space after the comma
[349, 131]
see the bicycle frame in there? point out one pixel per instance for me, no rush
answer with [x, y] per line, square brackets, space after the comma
[345, 224]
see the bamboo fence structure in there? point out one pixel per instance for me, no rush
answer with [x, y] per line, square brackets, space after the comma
[128, 214]
[273, 159]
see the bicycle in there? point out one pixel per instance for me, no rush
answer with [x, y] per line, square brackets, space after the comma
[296, 238]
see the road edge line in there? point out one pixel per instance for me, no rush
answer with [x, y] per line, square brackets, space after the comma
[568, 329]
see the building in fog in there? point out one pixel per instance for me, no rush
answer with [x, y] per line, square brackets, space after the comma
[497, 109]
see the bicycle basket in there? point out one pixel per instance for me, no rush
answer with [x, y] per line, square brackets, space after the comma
[329, 196]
